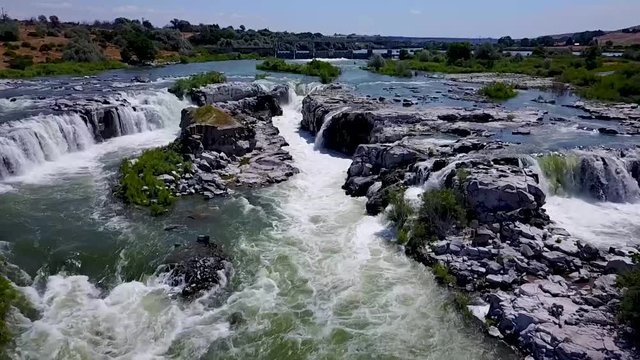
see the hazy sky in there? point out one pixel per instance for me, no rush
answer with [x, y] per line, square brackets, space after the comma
[448, 18]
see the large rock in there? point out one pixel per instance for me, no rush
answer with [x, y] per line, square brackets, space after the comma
[217, 130]
[198, 267]
[234, 91]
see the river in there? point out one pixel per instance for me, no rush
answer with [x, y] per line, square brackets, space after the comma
[315, 278]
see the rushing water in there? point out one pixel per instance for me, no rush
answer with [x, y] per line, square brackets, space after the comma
[314, 277]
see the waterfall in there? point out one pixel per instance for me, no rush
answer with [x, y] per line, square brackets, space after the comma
[34, 140]
[319, 143]
[41, 138]
[595, 175]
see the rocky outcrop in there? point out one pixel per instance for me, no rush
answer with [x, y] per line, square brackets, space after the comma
[197, 267]
[537, 287]
[107, 118]
[233, 144]
[344, 121]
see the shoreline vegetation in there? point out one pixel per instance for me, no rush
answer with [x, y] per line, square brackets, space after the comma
[186, 86]
[594, 76]
[326, 71]
[62, 68]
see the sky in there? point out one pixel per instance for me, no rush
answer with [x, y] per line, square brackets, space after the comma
[425, 18]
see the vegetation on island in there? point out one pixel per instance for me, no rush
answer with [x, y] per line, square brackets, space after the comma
[594, 76]
[498, 91]
[139, 183]
[186, 86]
[211, 115]
[440, 211]
[326, 71]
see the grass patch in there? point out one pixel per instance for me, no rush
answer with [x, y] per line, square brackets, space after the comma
[11, 297]
[498, 91]
[326, 71]
[184, 87]
[211, 115]
[261, 76]
[139, 183]
[61, 68]
[560, 171]
[462, 175]
[441, 211]
[629, 312]
[442, 274]
[400, 210]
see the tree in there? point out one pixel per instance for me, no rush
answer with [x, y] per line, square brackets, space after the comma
[9, 31]
[243, 28]
[82, 49]
[608, 44]
[404, 54]
[55, 22]
[377, 62]
[42, 19]
[138, 48]
[539, 51]
[487, 52]
[458, 51]
[591, 56]
[147, 24]
[506, 41]
[424, 56]
[525, 42]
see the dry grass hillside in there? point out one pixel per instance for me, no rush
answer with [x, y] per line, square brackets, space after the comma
[42, 48]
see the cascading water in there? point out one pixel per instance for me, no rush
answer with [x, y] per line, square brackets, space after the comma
[593, 195]
[325, 284]
[28, 143]
[319, 142]
[35, 140]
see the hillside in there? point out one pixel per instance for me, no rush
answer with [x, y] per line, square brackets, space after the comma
[50, 46]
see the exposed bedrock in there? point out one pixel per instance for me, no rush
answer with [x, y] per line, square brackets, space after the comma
[536, 286]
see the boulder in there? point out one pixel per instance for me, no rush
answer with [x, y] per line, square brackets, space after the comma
[197, 267]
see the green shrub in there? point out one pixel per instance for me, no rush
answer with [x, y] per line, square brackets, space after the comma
[184, 87]
[9, 31]
[442, 274]
[81, 49]
[559, 171]
[462, 175]
[12, 46]
[629, 312]
[25, 44]
[326, 71]
[376, 62]
[441, 211]
[261, 76]
[498, 91]
[139, 185]
[11, 297]
[21, 62]
[400, 210]
[458, 51]
[45, 48]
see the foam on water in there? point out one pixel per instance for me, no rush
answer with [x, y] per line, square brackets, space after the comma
[49, 147]
[327, 286]
[602, 224]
